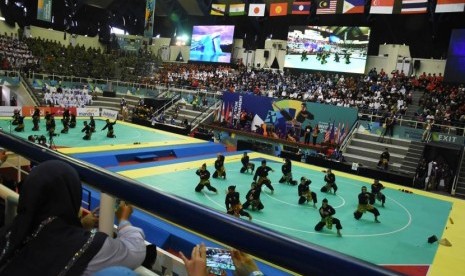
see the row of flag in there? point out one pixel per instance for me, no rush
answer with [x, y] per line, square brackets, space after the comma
[338, 7]
[335, 135]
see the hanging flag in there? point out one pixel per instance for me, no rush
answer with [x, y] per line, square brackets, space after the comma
[256, 9]
[218, 9]
[301, 7]
[338, 133]
[149, 18]
[236, 9]
[353, 6]
[450, 6]
[327, 133]
[331, 135]
[44, 10]
[382, 6]
[278, 9]
[326, 7]
[414, 6]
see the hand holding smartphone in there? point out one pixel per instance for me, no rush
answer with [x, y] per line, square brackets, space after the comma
[219, 259]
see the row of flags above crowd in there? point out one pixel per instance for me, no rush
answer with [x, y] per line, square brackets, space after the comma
[338, 7]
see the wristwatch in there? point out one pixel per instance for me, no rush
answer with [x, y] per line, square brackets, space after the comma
[257, 273]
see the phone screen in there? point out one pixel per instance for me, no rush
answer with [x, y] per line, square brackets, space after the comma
[219, 258]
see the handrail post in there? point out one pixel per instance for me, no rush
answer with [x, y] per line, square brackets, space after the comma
[107, 214]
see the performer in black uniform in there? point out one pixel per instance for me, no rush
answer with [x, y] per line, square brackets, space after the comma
[253, 198]
[109, 125]
[364, 205]
[305, 194]
[204, 175]
[65, 122]
[286, 168]
[261, 176]
[20, 126]
[87, 131]
[47, 118]
[330, 180]
[16, 115]
[376, 193]
[233, 204]
[246, 164]
[327, 212]
[219, 167]
[36, 119]
[92, 123]
[72, 121]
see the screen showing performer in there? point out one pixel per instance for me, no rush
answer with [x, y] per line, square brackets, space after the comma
[328, 48]
[212, 43]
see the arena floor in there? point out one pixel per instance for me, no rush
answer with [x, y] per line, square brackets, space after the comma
[398, 242]
[127, 136]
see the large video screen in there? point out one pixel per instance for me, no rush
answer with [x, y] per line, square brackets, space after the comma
[326, 48]
[455, 65]
[212, 43]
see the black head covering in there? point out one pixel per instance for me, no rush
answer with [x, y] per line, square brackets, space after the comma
[52, 189]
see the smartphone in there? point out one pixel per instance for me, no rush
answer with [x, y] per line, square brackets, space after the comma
[219, 258]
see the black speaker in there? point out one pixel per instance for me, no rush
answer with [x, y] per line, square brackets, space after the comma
[416, 64]
[266, 54]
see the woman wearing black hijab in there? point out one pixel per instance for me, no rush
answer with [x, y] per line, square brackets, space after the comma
[47, 238]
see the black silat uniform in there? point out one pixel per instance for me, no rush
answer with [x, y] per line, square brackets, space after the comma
[305, 195]
[261, 177]
[330, 180]
[20, 126]
[233, 205]
[72, 121]
[66, 114]
[109, 125]
[92, 124]
[219, 167]
[87, 131]
[377, 194]
[36, 119]
[246, 165]
[286, 169]
[253, 198]
[15, 117]
[365, 206]
[204, 181]
[65, 122]
[327, 219]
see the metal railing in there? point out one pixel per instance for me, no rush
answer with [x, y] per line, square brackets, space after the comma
[199, 119]
[294, 255]
[416, 124]
[457, 174]
[349, 137]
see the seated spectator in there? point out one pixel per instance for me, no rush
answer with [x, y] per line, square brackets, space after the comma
[47, 238]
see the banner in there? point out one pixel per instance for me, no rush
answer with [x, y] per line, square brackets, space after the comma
[44, 10]
[88, 111]
[149, 18]
[110, 114]
[281, 115]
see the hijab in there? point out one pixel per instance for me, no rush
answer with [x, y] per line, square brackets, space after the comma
[46, 236]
